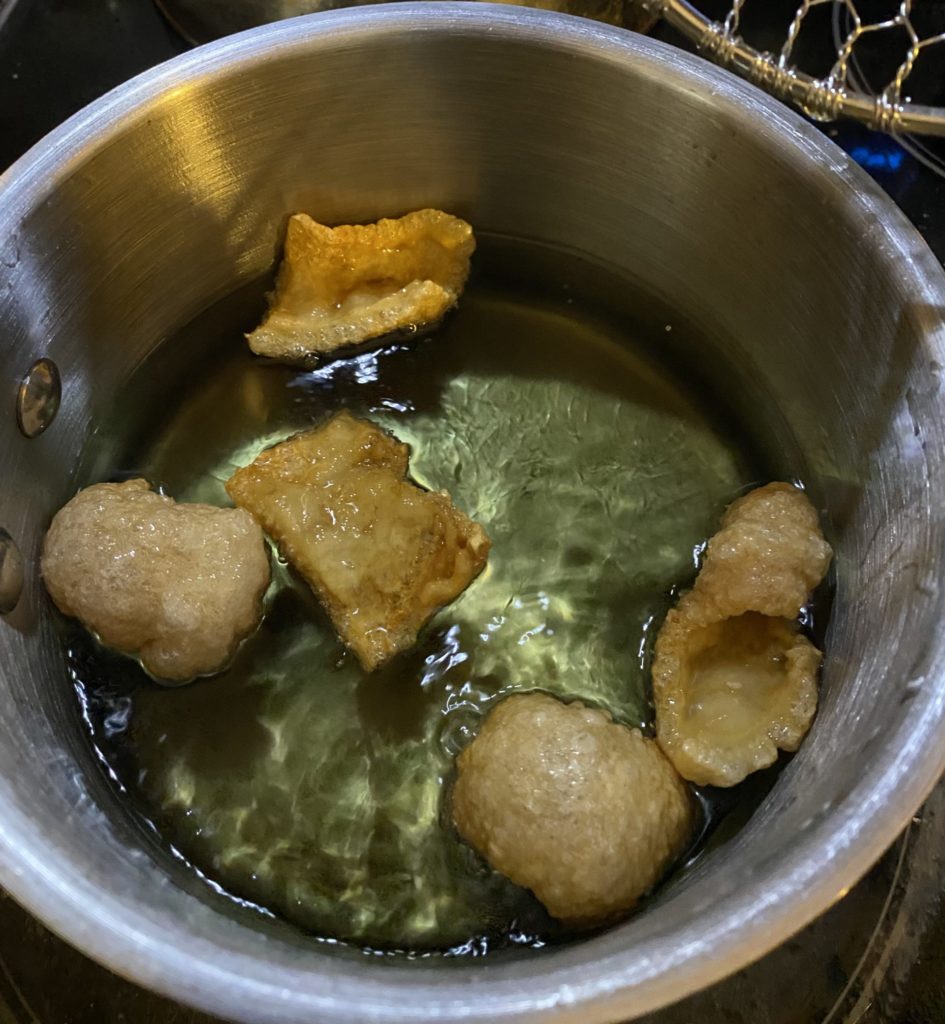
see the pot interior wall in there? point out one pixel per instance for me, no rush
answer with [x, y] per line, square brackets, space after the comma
[624, 152]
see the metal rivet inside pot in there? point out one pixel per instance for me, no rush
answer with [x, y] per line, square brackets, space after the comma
[38, 399]
[11, 573]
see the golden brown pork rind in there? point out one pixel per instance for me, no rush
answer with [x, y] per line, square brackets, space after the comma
[178, 585]
[343, 286]
[586, 813]
[767, 557]
[733, 679]
[381, 554]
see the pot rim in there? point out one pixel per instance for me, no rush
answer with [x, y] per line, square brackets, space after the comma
[827, 859]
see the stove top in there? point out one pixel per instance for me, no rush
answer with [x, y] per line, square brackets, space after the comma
[877, 957]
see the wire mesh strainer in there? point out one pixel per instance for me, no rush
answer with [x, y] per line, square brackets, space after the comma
[911, 33]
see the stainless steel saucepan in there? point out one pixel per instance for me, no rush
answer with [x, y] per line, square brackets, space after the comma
[830, 314]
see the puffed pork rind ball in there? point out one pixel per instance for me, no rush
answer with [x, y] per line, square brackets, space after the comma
[733, 679]
[341, 287]
[586, 813]
[177, 585]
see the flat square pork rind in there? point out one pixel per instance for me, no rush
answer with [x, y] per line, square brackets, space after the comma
[734, 680]
[381, 554]
[177, 585]
[341, 287]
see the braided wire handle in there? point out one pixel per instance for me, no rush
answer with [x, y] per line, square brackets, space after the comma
[824, 99]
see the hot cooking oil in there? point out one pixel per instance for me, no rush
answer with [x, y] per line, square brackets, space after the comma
[553, 407]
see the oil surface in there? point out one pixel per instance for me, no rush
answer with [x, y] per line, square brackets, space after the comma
[294, 780]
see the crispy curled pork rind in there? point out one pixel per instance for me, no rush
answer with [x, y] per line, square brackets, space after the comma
[586, 813]
[733, 679]
[381, 554]
[767, 556]
[177, 585]
[731, 694]
[343, 286]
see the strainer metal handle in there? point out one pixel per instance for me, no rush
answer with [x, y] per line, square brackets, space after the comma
[823, 99]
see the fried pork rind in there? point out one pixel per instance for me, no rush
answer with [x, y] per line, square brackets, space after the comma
[733, 679]
[343, 286]
[381, 554]
[177, 585]
[586, 813]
